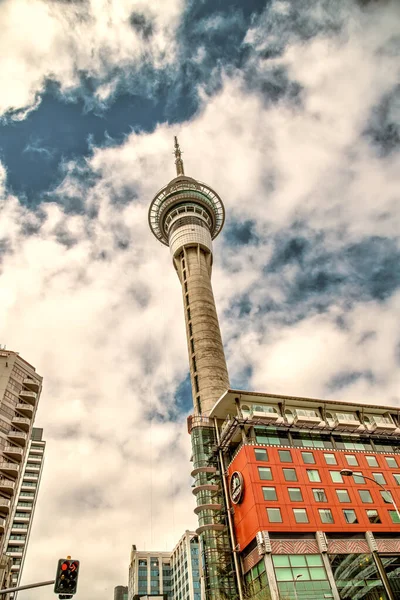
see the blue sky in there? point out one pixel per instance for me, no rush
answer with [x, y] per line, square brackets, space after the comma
[290, 109]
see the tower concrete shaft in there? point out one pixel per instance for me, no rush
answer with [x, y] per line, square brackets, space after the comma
[187, 215]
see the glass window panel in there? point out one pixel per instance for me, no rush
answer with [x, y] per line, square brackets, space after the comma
[265, 473]
[372, 461]
[290, 474]
[319, 495]
[336, 476]
[373, 516]
[295, 494]
[300, 515]
[305, 575]
[297, 560]
[271, 436]
[350, 516]
[343, 495]
[308, 458]
[330, 459]
[317, 573]
[269, 493]
[274, 515]
[284, 574]
[314, 560]
[391, 462]
[325, 515]
[313, 475]
[386, 497]
[285, 456]
[358, 478]
[365, 496]
[379, 478]
[280, 560]
[261, 454]
[351, 460]
[394, 515]
[397, 478]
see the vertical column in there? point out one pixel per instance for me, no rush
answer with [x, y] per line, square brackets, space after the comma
[208, 370]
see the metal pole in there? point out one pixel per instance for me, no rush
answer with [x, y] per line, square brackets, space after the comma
[26, 587]
[295, 586]
[228, 508]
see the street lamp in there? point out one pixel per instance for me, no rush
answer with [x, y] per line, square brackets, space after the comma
[349, 473]
[295, 582]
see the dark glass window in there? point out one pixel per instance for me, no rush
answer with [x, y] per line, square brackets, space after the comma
[271, 436]
[290, 474]
[285, 456]
[356, 576]
[347, 442]
[350, 516]
[265, 473]
[300, 515]
[274, 515]
[325, 514]
[308, 458]
[295, 494]
[311, 440]
[373, 516]
[261, 454]
[269, 493]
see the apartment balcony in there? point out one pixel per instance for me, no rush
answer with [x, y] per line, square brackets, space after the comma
[6, 486]
[348, 422]
[16, 553]
[38, 451]
[14, 452]
[28, 396]
[31, 384]
[2, 524]
[15, 568]
[381, 424]
[307, 418]
[266, 413]
[23, 508]
[32, 477]
[25, 409]
[18, 530]
[5, 506]
[21, 422]
[9, 468]
[19, 542]
[18, 437]
[25, 519]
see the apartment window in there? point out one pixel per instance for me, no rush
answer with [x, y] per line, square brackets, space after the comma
[188, 314]
[285, 456]
[394, 515]
[310, 566]
[336, 476]
[190, 330]
[397, 478]
[274, 515]
[196, 384]
[290, 474]
[313, 475]
[386, 497]
[358, 478]
[365, 496]
[261, 454]
[343, 495]
[187, 299]
[295, 494]
[325, 514]
[198, 404]
[308, 458]
[330, 459]
[194, 364]
[391, 462]
[265, 473]
[271, 436]
[351, 460]
[269, 493]
[350, 516]
[373, 516]
[192, 346]
[319, 495]
[311, 440]
[300, 515]
[372, 462]
[379, 478]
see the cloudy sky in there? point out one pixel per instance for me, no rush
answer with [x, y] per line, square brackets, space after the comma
[290, 109]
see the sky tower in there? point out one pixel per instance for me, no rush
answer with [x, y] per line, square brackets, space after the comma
[187, 215]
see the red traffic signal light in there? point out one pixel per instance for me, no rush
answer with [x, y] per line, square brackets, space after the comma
[66, 581]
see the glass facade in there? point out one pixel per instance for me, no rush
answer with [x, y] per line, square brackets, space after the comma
[357, 577]
[301, 577]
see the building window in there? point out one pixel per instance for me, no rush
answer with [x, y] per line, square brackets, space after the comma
[325, 514]
[351, 460]
[336, 476]
[391, 462]
[308, 458]
[319, 495]
[265, 473]
[350, 516]
[358, 478]
[295, 494]
[261, 454]
[379, 478]
[290, 474]
[188, 314]
[343, 495]
[192, 346]
[311, 440]
[300, 515]
[194, 364]
[397, 478]
[372, 462]
[356, 576]
[186, 288]
[394, 515]
[269, 493]
[274, 515]
[187, 299]
[196, 384]
[313, 475]
[285, 456]
[256, 579]
[313, 582]
[365, 496]
[271, 436]
[330, 459]
[198, 404]
[386, 497]
[373, 516]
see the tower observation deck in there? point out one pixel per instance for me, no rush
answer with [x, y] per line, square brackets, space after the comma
[187, 215]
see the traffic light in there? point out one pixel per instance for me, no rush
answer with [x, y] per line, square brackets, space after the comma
[66, 577]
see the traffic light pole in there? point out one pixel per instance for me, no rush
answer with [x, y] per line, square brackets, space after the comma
[26, 587]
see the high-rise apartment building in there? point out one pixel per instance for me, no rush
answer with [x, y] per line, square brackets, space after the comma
[121, 592]
[297, 498]
[20, 388]
[179, 577]
[18, 538]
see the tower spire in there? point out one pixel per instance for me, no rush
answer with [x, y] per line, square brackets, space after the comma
[178, 158]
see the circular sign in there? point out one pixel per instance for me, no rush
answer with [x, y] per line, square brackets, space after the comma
[236, 487]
